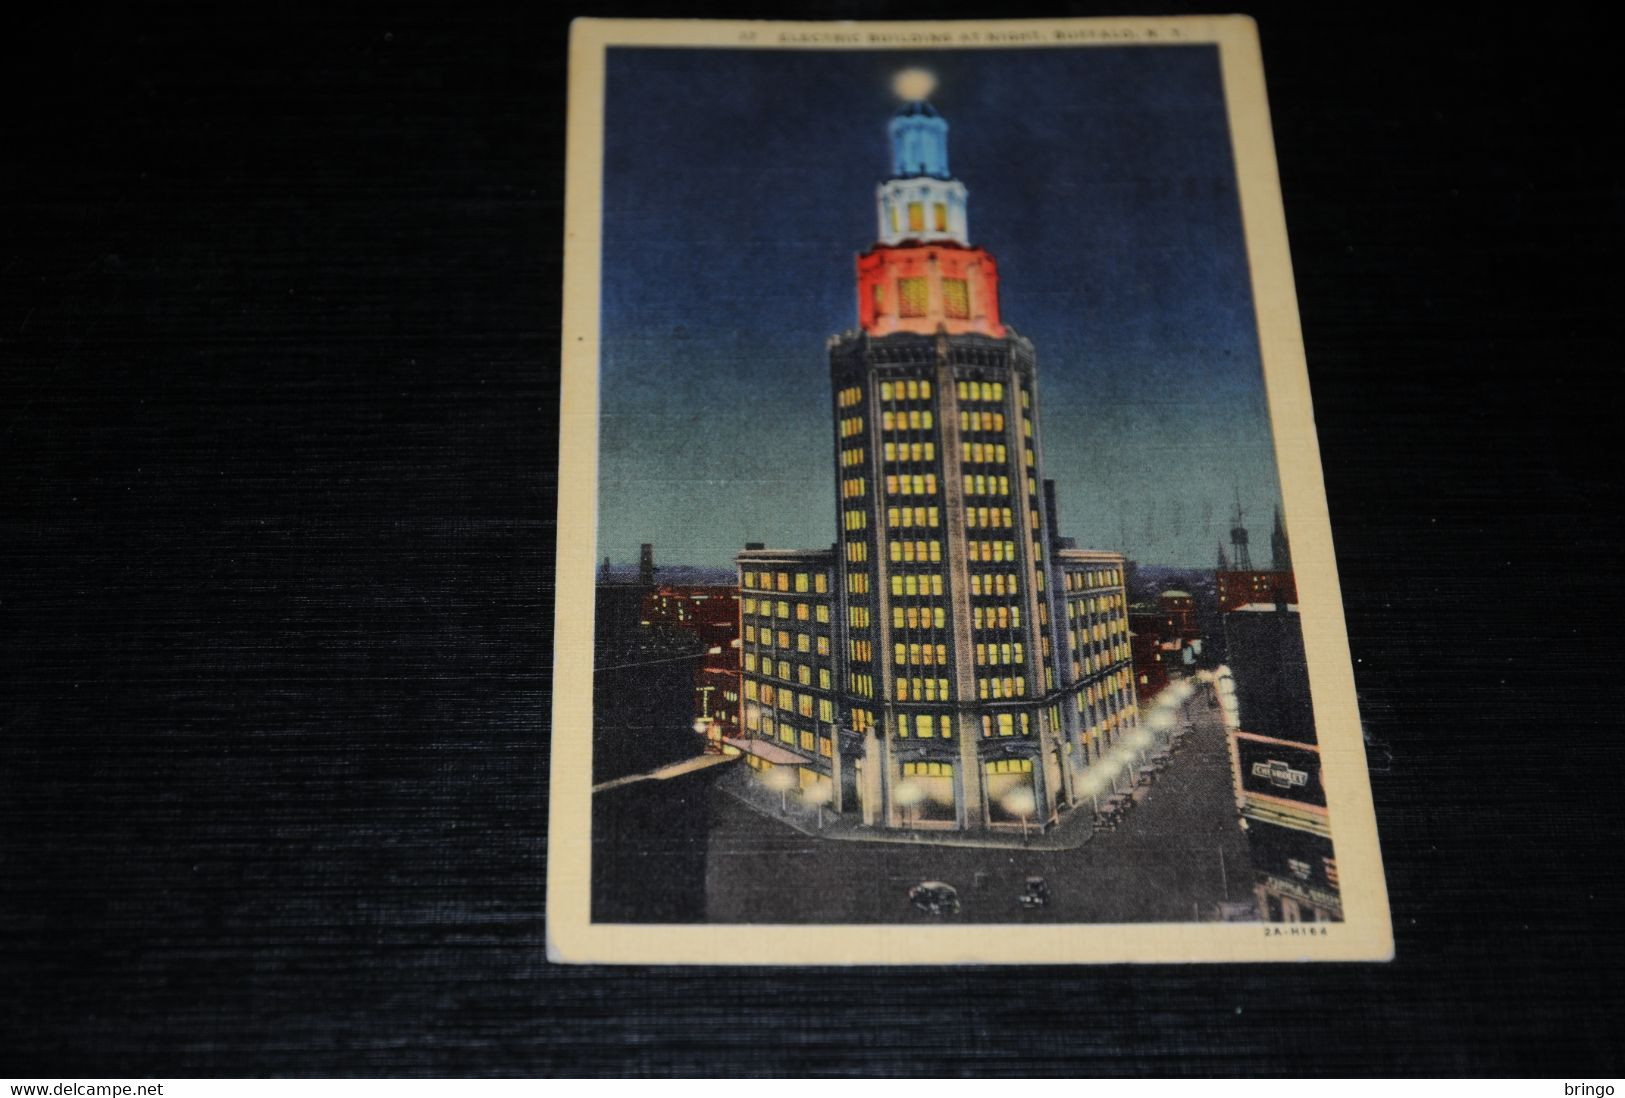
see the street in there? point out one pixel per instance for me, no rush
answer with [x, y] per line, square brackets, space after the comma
[1176, 856]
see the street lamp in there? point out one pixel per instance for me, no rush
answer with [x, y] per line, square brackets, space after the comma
[780, 779]
[818, 795]
[1095, 779]
[907, 795]
[1021, 802]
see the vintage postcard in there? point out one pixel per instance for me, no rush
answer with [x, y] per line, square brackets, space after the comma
[944, 571]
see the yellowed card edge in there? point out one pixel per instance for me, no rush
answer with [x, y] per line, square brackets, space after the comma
[1366, 933]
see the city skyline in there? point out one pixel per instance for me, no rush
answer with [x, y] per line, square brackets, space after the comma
[728, 262]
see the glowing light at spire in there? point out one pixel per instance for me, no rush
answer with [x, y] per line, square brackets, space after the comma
[912, 85]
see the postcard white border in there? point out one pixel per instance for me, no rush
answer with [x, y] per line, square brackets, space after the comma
[1365, 934]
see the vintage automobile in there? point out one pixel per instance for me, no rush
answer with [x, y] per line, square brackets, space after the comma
[934, 898]
[1036, 893]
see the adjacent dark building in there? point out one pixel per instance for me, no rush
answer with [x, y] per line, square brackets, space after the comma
[1276, 759]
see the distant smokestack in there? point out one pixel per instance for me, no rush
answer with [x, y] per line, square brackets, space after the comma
[646, 565]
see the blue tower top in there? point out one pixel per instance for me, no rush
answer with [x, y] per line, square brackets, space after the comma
[919, 141]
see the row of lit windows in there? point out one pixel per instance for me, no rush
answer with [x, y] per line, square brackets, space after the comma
[862, 720]
[785, 699]
[857, 551]
[927, 655]
[982, 452]
[907, 421]
[1108, 577]
[849, 397]
[802, 642]
[916, 585]
[857, 583]
[911, 516]
[998, 583]
[916, 216]
[997, 551]
[787, 671]
[783, 581]
[981, 390]
[977, 518]
[914, 293]
[852, 457]
[851, 426]
[999, 653]
[1026, 427]
[803, 611]
[1102, 605]
[994, 689]
[918, 617]
[996, 617]
[1088, 665]
[916, 552]
[862, 651]
[926, 727]
[1008, 766]
[1100, 631]
[915, 689]
[980, 485]
[856, 519]
[858, 617]
[1004, 724]
[1111, 684]
[763, 724]
[911, 451]
[861, 685]
[981, 421]
[854, 487]
[912, 389]
[911, 485]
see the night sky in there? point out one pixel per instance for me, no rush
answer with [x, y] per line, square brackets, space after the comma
[739, 186]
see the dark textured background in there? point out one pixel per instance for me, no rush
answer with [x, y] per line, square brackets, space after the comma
[278, 340]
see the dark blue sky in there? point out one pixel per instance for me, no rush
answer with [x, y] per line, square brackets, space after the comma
[739, 186]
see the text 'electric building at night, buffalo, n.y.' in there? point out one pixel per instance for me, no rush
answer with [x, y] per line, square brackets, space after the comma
[951, 662]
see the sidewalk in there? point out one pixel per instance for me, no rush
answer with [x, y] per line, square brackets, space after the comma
[1071, 831]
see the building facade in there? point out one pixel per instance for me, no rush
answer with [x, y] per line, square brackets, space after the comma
[1240, 584]
[951, 662]
[1275, 759]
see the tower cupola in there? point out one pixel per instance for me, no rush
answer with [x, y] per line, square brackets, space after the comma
[923, 274]
[919, 141]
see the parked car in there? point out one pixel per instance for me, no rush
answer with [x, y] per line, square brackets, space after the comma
[1036, 893]
[935, 898]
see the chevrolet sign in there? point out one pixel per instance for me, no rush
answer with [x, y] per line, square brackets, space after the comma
[1279, 774]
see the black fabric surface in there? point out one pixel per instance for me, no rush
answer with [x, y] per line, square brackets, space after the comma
[278, 335]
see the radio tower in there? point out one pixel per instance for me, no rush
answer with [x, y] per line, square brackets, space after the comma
[1240, 559]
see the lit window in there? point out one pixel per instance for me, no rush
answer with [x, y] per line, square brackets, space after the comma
[955, 298]
[916, 218]
[941, 210]
[915, 296]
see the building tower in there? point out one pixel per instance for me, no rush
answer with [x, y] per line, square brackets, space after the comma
[1280, 551]
[646, 565]
[981, 663]
[1240, 560]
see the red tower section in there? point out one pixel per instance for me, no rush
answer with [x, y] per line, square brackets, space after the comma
[921, 288]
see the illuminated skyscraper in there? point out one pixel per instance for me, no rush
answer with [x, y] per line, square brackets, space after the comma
[951, 662]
